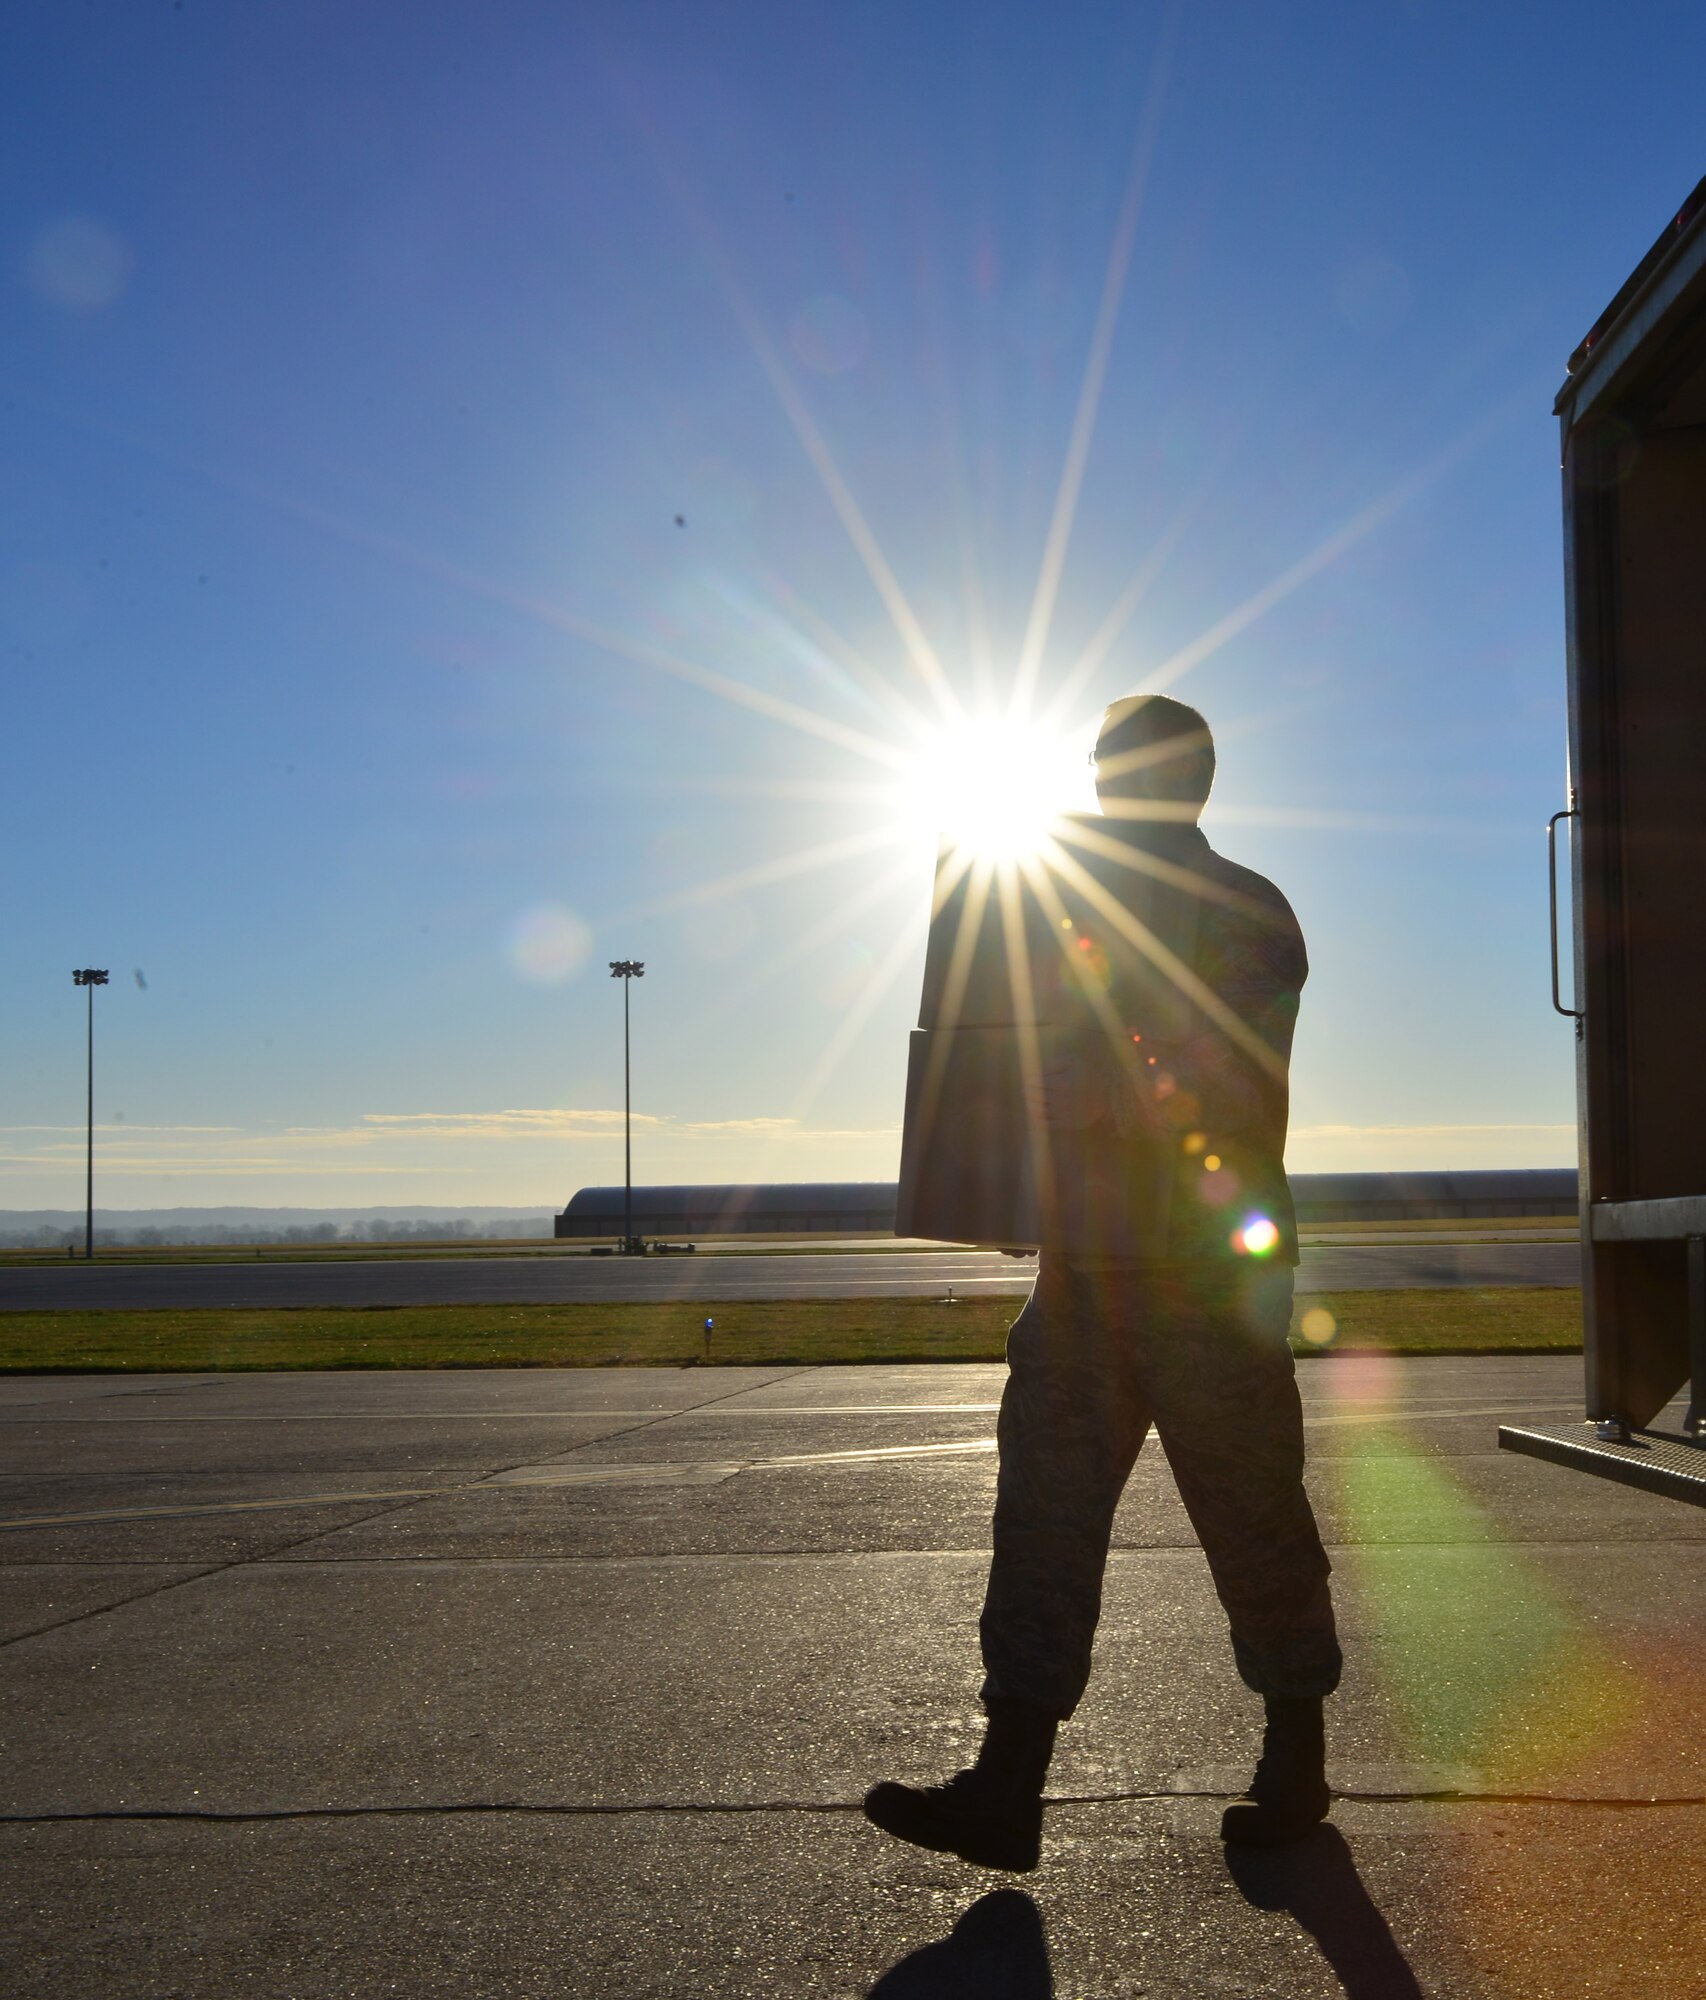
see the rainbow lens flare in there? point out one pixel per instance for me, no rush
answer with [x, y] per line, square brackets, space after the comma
[1256, 1237]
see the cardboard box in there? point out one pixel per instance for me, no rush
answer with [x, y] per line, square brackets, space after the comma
[1028, 969]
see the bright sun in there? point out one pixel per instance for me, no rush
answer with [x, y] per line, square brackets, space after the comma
[993, 785]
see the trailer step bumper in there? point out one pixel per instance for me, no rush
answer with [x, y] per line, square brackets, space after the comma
[1658, 1461]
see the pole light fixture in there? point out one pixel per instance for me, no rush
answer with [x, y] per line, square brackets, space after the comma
[91, 977]
[626, 969]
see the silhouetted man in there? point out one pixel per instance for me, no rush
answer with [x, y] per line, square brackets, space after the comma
[1193, 1342]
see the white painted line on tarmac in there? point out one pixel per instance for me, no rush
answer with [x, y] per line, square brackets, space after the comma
[1398, 1413]
[663, 1473]
[848, 1409]
[881, 1451]
[687, 1472]
[710, 1472]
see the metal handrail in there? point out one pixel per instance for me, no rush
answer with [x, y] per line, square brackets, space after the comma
[1569, 812]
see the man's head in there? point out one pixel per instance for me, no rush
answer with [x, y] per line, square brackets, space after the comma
[1152, 751]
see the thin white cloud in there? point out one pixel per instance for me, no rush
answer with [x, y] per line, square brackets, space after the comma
[513, 1123]
[463, 1148]
[187, 1167]
[1412, 1131]
[741, 1124]
[121, 1125]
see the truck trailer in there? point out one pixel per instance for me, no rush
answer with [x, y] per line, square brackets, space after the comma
[1632, 415]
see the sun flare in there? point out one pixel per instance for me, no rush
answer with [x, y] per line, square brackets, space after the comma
[993, 785]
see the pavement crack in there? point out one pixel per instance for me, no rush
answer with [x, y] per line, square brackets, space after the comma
[1445, 1796]
[754, 1808]
[454, 1809]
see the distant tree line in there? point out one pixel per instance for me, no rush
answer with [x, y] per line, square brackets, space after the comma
[376, 1229]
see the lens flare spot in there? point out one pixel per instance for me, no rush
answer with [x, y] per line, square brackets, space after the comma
[79, 262]
[1211, 1162]
[548, 944]
[1194, 1142]
[1257, 1238]
[1318, 1327]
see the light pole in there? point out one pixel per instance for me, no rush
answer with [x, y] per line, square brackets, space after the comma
[90, 977]
[626, 969]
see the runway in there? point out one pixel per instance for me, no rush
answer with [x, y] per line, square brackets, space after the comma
[809, 1275]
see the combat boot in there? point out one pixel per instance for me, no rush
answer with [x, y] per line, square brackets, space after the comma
[1288, 1797]
[990, 1815]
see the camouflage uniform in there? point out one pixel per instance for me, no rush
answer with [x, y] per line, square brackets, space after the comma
[1095, 1358]
[1194, 1344]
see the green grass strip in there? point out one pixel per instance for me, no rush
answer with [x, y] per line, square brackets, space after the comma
[1507, 1320]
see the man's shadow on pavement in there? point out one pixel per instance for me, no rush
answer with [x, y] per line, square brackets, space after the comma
[1317, 1881]
[995, 1952]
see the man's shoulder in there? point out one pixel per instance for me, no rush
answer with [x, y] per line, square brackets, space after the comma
[1250, 902]
[1259, 898]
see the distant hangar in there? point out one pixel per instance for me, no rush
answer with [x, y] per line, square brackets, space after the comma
[802, 1208]
[866, 1208]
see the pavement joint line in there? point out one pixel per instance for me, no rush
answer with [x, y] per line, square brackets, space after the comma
[1384, 1414]
[93, 1562]
[643, 1808]
[177, 1583]
[535, 1473]
[543, 1416]
[219, 1507]
[330, 1499]
[237, 1562]
[530, 1472]
[592, 1558]
[526, 1473]
[691, 1409]
[118, 1604]
[966, 1552]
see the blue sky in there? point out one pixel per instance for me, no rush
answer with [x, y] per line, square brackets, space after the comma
[364, 694]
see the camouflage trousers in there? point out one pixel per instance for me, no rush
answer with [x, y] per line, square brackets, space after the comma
[1095, 1358]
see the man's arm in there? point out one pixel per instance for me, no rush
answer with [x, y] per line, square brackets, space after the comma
[1256, 969]
[1254, 961]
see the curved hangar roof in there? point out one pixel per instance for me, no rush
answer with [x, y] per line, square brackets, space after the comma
[816, 1207]
[788, 1199]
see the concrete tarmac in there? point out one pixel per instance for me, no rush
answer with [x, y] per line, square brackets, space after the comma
[809, 1274]
[541, 1682]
